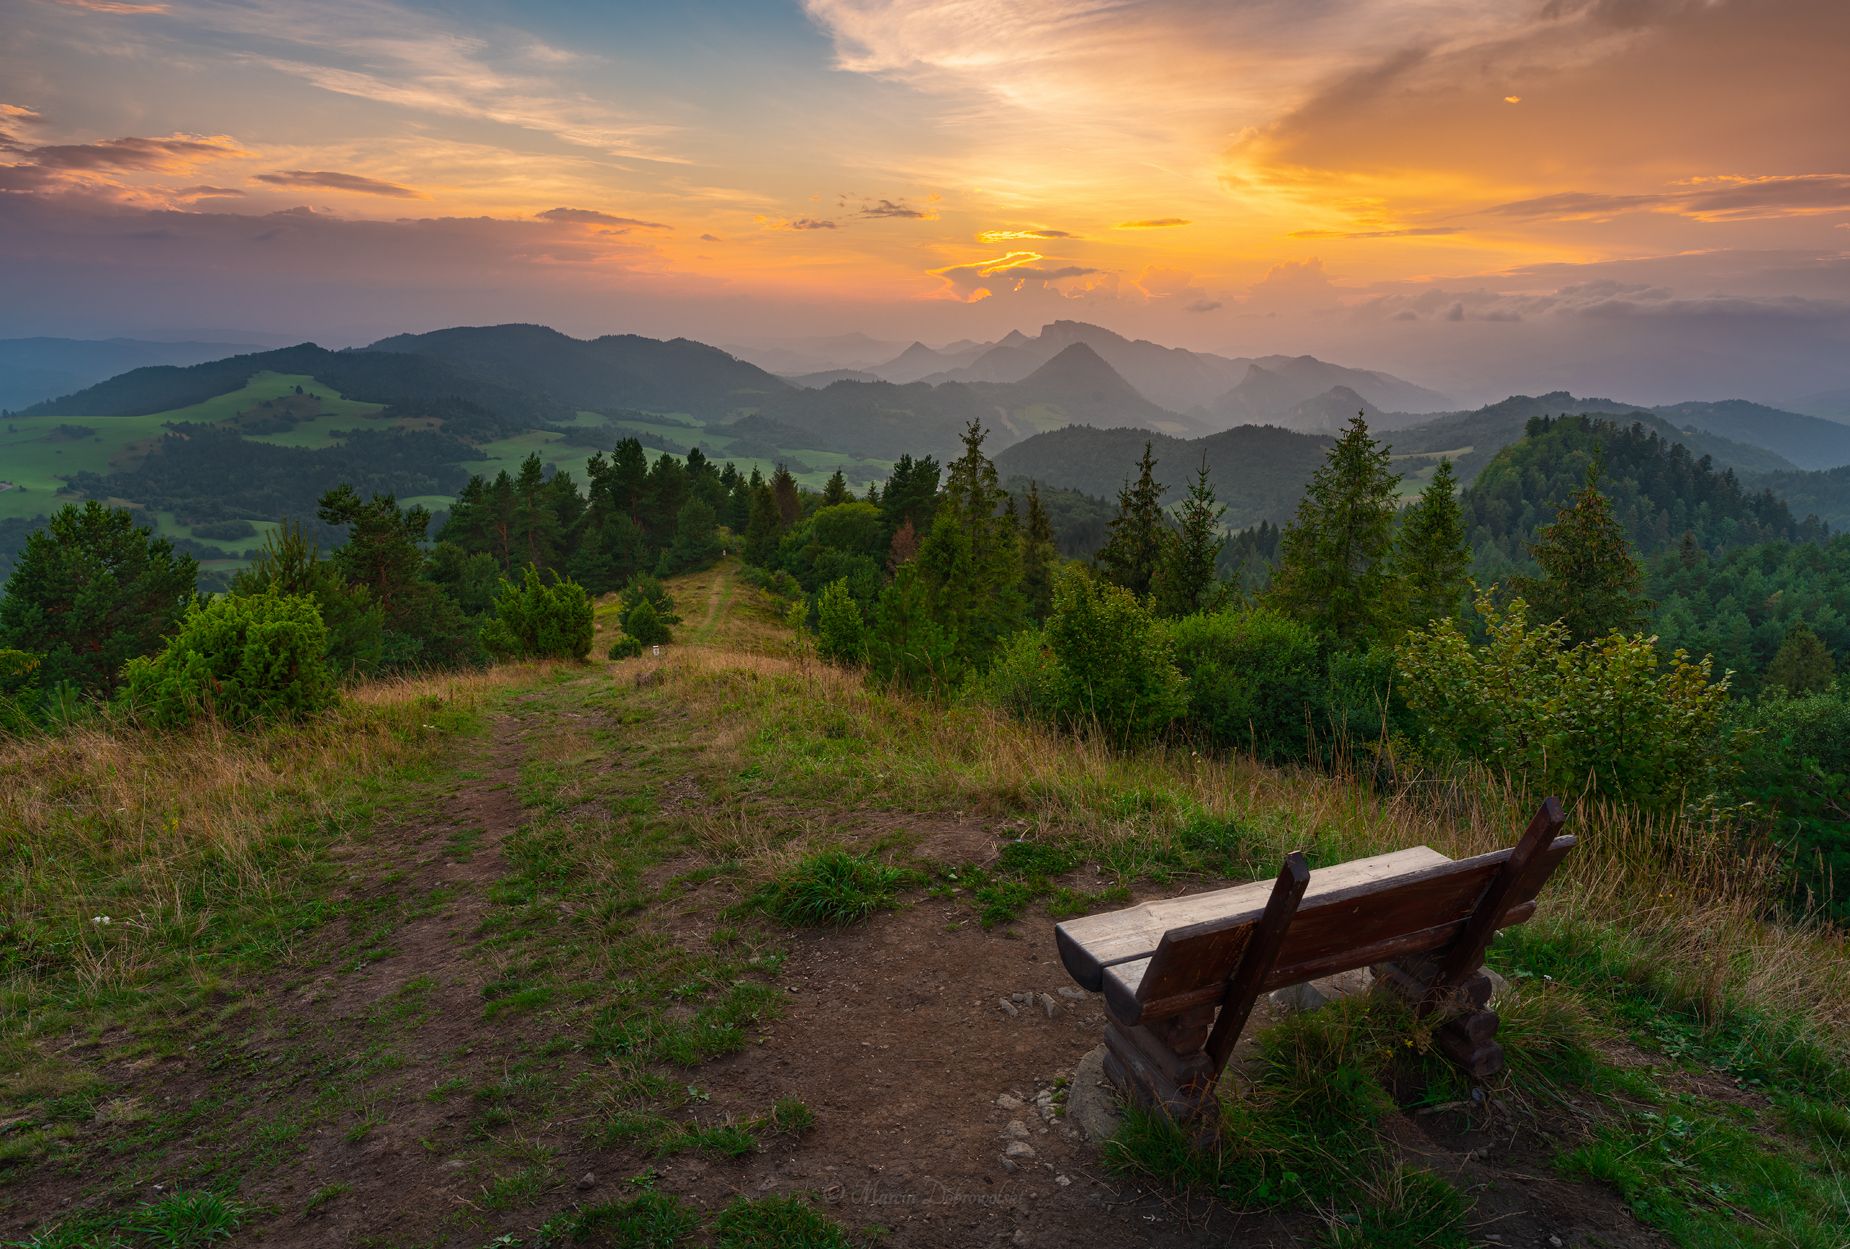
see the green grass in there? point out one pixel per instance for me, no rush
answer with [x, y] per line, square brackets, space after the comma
[651, 1220]
[831, 888]
[776, 1223]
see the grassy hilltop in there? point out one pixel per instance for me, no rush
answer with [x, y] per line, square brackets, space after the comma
[522, 958]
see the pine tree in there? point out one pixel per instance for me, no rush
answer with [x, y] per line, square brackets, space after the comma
[1134, 551]
[1039, 557]
[1186, 581]
[1803, 664]
[835, 490]
[1590, 581]
[971, 556]
[90, 591]
[1431, 555]
[1333, 572]
[789, 502]
[761, 526]
[536, 524]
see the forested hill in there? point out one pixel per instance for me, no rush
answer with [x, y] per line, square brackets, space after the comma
[1659, 491]
[413, 384]
[616, 371]
[1258, 471]
[1824, 494]
[1474, 438]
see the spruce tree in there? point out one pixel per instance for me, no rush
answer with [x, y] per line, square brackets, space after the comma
[971, 556]
[1590, 581]
[761, 526]
[789, 502]
[1431, 556]
[1134, 550]
[1039, 556]
[1803, 664]
[1333, 572]
[835, 490]
[1187, 580]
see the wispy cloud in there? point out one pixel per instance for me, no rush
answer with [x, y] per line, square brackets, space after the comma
[591, 216]
[124, 7]
[892, 208]
[1012, 236]
[1727, 197]
[809, 223]
[1153, 223]
[1406, 232]
[332, 180]
[171, 153]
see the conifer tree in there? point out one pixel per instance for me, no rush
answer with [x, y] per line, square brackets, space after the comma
[1187, 579]
[761, 526]
[91, 591]
[789, 502]
[971, 556]
[1803, 664]
[1134, 550]
[1431, 556]
[1590, 581]
[1039, 557]
[1333, 572]
[536, 525]
[835, 490]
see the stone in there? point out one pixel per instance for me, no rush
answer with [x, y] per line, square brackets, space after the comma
[587, 1180]
[1020, 1151]
[1047, 1005]
[1091, 1103]
[1016, 1129]
[1061, 1180]
[1498, 985]
[1008, 1101]
[1008, 1008]
[1021, 999]
[1071, 994]
[1345, 983]
[1295, 999]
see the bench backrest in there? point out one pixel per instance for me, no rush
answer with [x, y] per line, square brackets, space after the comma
[1418, 910]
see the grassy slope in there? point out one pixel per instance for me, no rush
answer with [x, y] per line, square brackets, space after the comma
[413, 970]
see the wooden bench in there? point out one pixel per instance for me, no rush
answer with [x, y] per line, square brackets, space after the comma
[1181, 975]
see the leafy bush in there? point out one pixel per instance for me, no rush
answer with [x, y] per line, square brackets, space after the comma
[624, 648]
[1796, 770]
[831, 888]
[841, 635]
[1608, 714]
[19, 697]
[1254, 680]
[538, 620]
[246, 659]
[1023, 678]
[1114, 669]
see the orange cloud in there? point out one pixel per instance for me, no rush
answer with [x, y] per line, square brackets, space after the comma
[331, 180]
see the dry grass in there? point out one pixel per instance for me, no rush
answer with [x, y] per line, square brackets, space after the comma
[120, 847]
[1690, 902]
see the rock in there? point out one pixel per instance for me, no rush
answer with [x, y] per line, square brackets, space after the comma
[1021, 999]
[1061, 1180]
[1008, 1163]
[587, 1180]
[1047, 1005]
[1345, 983]
[1016, 1129]
[1091, 1102]
[1008, 1101]
[1498, 985]
[1071, 994]
[1295, 999]
[1008, 1008]
[1021, 1151]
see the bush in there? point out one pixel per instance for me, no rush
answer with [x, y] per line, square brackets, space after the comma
[831, 888]
[245, 659]
[647, 612]
[19, 697]
[1796, 770]
[1254, 681]
[1114, 668]
[1608, 714]
[841, 635]
[624, 648]
[1023, 679]
[537, 620]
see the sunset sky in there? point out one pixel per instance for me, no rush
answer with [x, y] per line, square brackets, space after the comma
[1643, 198]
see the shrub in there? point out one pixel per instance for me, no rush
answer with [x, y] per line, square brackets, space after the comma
[1796, 769]
[1254, 680]
[1023, 678]
[648, 612]
[830, 888]
[1114, 667]
[19, 697]
[537, 620]
[245, 659]
[841, 635]
[1609, 714]
[625, 648]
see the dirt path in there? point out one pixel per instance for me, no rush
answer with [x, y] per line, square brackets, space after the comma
[427, 992]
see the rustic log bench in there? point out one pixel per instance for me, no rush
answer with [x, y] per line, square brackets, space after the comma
[1181, 975]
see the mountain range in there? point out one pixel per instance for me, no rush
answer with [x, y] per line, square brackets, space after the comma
[35, 369]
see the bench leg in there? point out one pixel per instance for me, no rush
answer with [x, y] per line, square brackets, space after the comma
[1163, 1065]
[1468, 1035]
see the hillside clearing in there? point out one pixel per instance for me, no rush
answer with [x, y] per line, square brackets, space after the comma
[476, 962]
